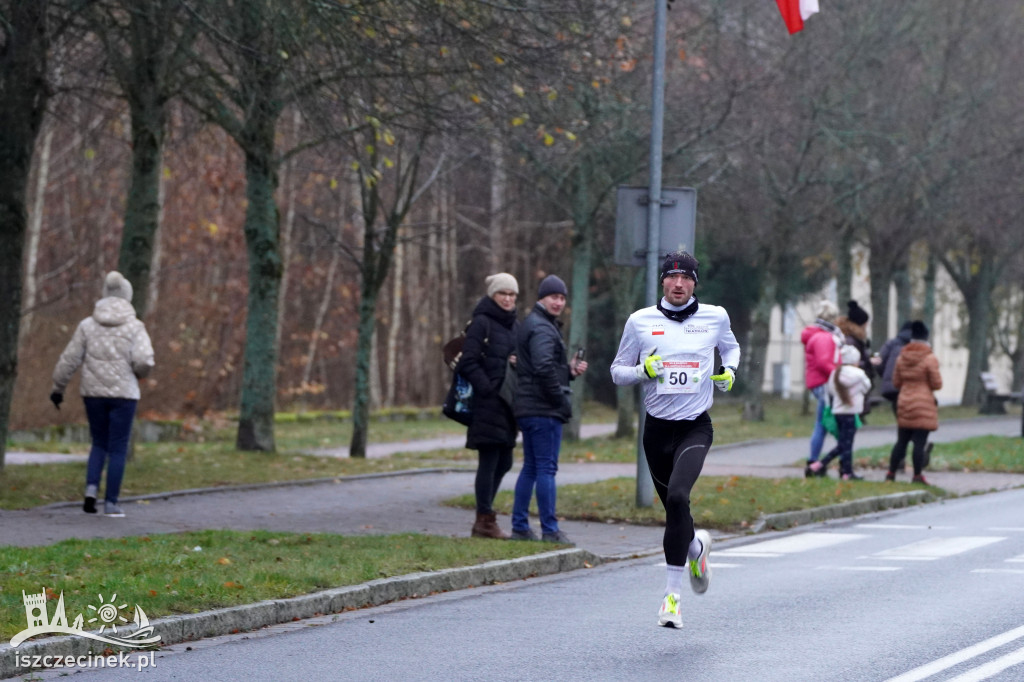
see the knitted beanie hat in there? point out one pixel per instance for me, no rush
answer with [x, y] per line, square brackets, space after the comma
[116, 285]
[827, 310]
[552, 284]
[679, 262]
[501, 282]
[918, 331]
[856, 314]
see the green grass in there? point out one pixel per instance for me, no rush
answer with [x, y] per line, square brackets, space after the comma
[721, 502]
[197, 571]
[984, 453]
[159, 467]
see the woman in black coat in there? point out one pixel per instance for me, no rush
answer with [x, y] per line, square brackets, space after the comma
[490, 340]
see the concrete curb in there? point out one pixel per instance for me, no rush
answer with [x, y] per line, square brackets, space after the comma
[274, 484]
[235, 619]
[866, 505]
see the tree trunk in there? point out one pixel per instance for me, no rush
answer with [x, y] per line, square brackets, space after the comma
[753, 365]
[290, 185]
[395, 326]
[977, 299]
[153, 293]
[582, 265]
[844, 268]
[879, 276]
[361, 405]
[928, 309]
[262, 240]
[35, 229]
[499, 184]
[904, 296]
[142, 207]
[23, 84]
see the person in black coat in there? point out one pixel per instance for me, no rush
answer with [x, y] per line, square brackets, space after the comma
[490, 340]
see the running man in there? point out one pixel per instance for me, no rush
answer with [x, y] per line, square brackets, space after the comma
[670, 348]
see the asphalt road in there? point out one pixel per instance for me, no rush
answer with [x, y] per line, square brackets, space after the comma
[927, 593]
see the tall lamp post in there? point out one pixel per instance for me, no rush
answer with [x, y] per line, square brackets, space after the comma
[644, 486]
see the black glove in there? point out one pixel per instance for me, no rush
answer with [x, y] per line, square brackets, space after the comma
[56, 398]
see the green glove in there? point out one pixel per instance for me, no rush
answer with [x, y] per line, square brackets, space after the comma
[651, 368]
[723, 380]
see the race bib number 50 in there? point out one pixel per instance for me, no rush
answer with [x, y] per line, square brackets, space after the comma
[681, 376]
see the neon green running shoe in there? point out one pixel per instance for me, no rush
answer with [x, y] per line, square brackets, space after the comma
[700, 569]
[668, 616]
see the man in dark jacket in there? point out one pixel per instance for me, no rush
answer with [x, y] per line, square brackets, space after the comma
[542, 405]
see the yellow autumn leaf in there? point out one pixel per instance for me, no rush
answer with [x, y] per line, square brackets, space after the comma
[90, 154]
[595, 83]
[370, 149]
[167, 173]
[443, 51]
[223, 561]
[518, 89]
[570, 136]
[475, 97]
[553, 95]
[498, 60]
[627, 22]
[334, 183]
[548, 139]
[389, 138]
[212, 229]
[519, 120]
[354, 165]
[388, 162]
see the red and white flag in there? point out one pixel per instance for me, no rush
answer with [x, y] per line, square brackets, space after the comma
[795, 11]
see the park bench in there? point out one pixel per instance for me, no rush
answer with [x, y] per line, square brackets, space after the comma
[994, 400]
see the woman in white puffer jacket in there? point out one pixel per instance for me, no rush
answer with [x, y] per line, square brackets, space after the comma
[114, 351]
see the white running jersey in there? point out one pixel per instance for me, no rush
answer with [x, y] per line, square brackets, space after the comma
[688, 350]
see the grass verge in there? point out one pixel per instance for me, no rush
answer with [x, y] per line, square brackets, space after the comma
[198, 571]
[729, 503]
[160, 467]
[984, 453]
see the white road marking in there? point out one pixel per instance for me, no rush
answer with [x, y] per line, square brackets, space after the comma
[1007, 530]
[898, 526]
[793, 544]
[992, 668]
[1019, 559]
[883, 569]
[935, 548]
[1015, 571]
[958, 657]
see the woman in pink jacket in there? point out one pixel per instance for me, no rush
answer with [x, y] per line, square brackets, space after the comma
[822, 341]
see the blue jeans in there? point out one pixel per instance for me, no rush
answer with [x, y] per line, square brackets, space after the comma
[818, 435]
[542, 438]
[110, 425]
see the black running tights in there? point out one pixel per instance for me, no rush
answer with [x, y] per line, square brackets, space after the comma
[675, 453]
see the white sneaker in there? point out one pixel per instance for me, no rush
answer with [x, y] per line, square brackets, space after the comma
[668, 615]
[700, 569]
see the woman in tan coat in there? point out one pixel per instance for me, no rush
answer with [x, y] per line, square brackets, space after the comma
[916, 377]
